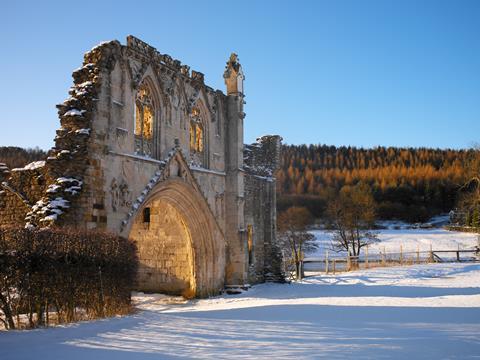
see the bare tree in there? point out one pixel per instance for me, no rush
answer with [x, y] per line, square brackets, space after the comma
[469, 193]
[294, 237]
[353, 216]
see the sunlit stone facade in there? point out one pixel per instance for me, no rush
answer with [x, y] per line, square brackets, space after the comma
[148, 151]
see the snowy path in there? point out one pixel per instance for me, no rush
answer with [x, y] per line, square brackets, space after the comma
[426, 311]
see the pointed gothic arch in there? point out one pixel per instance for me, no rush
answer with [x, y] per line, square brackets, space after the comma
[199, 134]
[147, 117]
[181, 245]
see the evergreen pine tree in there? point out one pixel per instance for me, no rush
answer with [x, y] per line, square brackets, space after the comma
[467, 218]
[476, 218]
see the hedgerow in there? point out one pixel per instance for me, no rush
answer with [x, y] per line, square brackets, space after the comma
[64, 274]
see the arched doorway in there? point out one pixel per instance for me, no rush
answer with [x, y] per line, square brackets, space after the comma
[164, 248]
[180, 246]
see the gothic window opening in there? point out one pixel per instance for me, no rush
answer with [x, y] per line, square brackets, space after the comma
[144, 121]
[250, 244]
[196, 132]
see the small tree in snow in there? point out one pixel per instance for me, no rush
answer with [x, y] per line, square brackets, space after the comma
[475, 218]
[467, 218]
[353, 216]
[469, 193]
[293, 235]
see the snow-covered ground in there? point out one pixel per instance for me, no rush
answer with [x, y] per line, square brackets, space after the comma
[410, 240]
[418, 312]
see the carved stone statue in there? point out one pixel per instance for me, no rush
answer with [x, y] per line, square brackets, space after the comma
[115, 194]
[120, 195]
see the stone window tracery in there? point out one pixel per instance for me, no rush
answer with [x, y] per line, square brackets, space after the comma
[144, 121]
[196, 132]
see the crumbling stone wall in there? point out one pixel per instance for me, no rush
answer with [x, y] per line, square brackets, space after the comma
[53, 188]
[19, 190]
[262, 159]
[70, 161]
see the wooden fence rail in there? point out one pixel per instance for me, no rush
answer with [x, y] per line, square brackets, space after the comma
[347, 263]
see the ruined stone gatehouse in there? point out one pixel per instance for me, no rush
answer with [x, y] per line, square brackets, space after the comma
[148, 151]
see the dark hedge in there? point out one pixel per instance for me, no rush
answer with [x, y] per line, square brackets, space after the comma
[74, 274]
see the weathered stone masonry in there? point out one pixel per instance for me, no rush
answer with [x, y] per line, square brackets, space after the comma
[147, 150]
[261, 161]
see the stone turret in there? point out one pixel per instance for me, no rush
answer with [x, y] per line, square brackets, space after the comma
[234, 76]
[236, 272]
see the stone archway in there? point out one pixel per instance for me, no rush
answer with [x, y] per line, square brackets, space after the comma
[180, 246]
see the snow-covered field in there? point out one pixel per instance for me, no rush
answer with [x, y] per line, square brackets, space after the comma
[423, 311]
[410, 240]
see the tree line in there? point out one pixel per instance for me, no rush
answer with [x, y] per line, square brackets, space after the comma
[410, 184]
[16, 157]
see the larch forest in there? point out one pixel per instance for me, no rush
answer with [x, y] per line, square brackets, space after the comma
[410, 184]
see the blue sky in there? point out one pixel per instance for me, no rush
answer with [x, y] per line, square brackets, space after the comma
[363, 73]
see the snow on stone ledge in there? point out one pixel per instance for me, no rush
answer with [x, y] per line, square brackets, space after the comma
[51, 217]
[86, 66]
[32, 166]
[74, 112]
[62, 180]
[59, 202]
[82, 131]
[98, 46]
[4, 169]
[53, 188]
[73, 190]
[35, 165]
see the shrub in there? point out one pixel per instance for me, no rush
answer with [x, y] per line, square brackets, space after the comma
[316, 205]
[76, 274]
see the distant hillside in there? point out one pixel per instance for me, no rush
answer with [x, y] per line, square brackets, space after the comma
[408, 183]
[16, 157]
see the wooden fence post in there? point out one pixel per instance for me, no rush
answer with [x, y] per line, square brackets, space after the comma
[348, 262]
[326, 262]
[366, 257]
[47, 316]
[431, 253]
